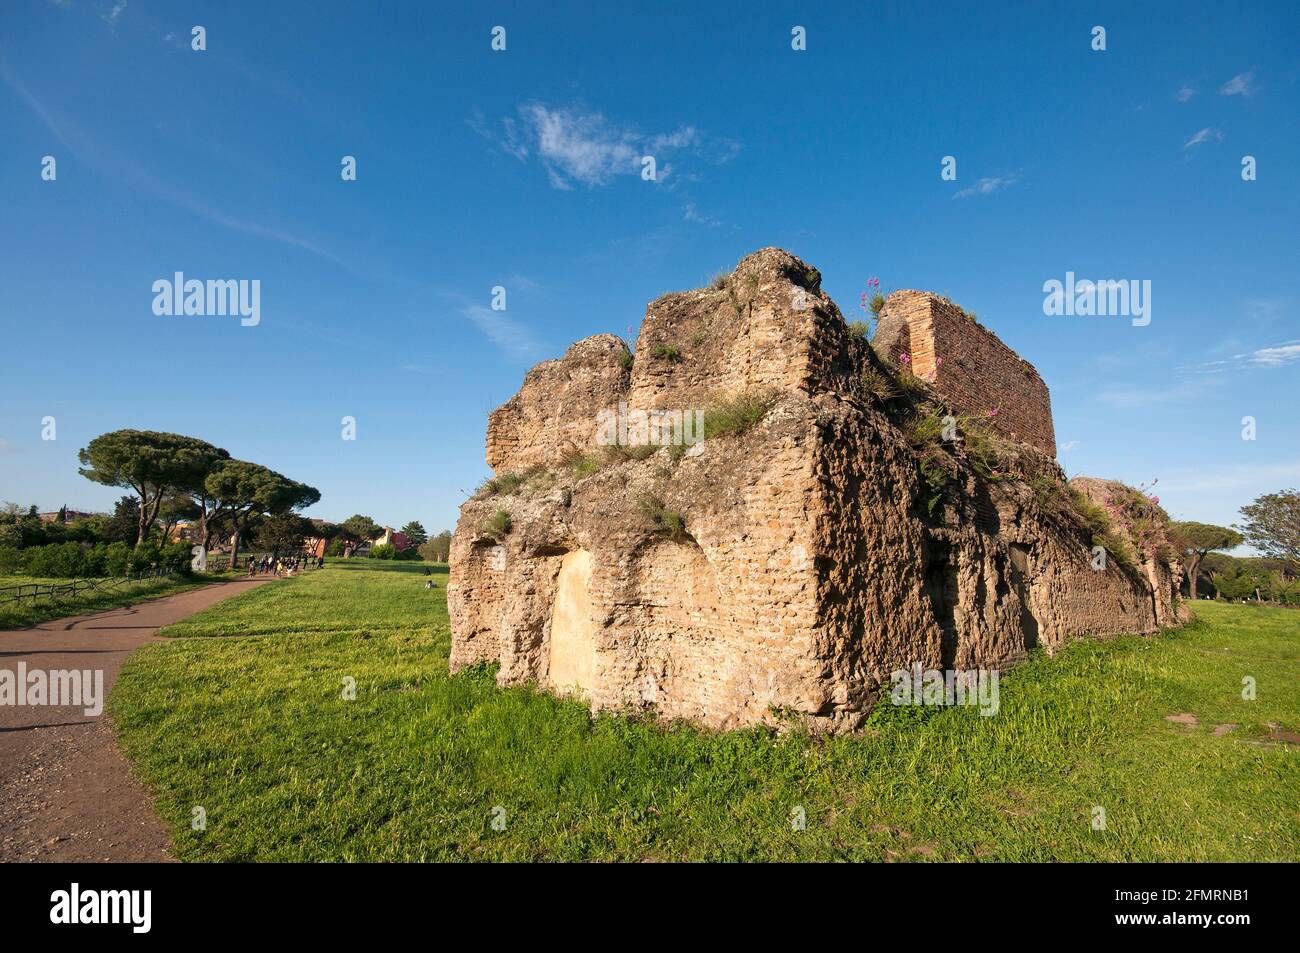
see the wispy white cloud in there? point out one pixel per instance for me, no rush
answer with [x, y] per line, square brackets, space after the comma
[1068, 446]
[1205, 135]
[122, 168]
[987, 186]
[691, 213]
[580, 147]
[1185, 93]
[110, 14]
[1274, 355]
[1243, 84]
[506, 333]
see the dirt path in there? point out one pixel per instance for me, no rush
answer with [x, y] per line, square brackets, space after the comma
[66, 792]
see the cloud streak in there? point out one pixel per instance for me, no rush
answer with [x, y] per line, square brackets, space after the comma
[104, 160]
[987, 186]
[581, 147]
[1243, 84]
[1274, 355]
[1205, 135]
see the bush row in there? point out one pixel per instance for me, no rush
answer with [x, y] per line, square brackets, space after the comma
[83, 561]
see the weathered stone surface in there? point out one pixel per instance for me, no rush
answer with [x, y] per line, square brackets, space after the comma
[810, 565]
[552, 415]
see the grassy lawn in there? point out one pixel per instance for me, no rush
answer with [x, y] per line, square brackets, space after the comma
[16, 615]
[253, 728]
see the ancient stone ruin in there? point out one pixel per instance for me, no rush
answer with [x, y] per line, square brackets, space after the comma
[853, 509]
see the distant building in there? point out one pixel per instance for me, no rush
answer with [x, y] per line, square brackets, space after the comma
[315, 546]
[69, 516]
[185, 531]
[391, 537]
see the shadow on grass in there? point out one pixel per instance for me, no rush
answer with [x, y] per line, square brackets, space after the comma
[384, 565]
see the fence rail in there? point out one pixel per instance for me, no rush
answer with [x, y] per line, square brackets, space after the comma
[73, 587]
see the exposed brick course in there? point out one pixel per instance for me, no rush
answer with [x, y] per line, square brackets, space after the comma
[968, 365]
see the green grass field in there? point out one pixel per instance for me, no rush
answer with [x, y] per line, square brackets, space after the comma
[253, 727]
[16, 615]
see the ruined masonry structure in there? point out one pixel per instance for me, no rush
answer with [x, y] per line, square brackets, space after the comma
[812, 558]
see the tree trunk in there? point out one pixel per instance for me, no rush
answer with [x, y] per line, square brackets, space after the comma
[234, 548]
[1192, 573]
[148, 513]
[142, 520]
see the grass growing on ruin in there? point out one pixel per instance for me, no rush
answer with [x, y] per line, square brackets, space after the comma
[498, 525]
[733, 416]
[662, 519]
[252, 726]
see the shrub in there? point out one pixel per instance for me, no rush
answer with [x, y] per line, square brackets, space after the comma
[583, 465]
[336, 548]
[877, 303]
[144, 557]
[912, 386]
[1046, 489]
[508, 483]
[859, 330]
[10, 560]
[719, 281]
[386, 551]
[983, 448]
[1100, 528]
[96, 559]
[626, 358]
[175, 557]
[662, 519]
[60, 560]
[924, 428]
[880, 384]
[498, 525]
[117, 557]
[665, 352]
[937, 469]
[735, 415]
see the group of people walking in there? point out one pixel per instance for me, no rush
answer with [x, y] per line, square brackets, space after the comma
[281, 565]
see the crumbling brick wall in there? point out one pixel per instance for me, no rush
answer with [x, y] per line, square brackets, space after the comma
[811, 560]
[554, 413]
[968, 365]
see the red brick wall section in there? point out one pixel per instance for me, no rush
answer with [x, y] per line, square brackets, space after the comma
[968, 366]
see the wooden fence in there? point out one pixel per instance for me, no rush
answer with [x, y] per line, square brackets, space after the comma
[73, 587]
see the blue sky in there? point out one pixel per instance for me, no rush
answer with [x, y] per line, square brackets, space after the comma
[519, 168]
